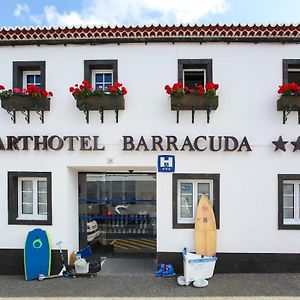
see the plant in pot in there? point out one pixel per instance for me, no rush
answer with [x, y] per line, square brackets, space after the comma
[87, 98]
[289, 99]
[198, 98]
[25, 100]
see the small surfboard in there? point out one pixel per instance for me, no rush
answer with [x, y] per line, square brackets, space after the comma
[37, 254]
[205, 228]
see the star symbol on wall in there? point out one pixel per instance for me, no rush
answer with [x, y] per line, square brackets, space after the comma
[296, 144]
[280, 144]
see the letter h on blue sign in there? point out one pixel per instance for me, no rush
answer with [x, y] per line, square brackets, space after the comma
[166, 163]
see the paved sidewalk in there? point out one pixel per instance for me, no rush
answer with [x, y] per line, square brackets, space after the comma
[221, 286]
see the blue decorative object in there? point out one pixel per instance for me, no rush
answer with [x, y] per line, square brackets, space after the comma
[166, 163]
[37, 254]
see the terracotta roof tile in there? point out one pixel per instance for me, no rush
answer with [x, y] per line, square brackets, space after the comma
[214, 32]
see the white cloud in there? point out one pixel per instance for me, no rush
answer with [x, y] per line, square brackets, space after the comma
[20, 9]
[37, 20]
[136, 12]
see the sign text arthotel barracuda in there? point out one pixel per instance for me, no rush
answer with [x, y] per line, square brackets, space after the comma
[151, 143]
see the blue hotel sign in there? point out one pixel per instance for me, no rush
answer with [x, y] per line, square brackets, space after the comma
[166, 163]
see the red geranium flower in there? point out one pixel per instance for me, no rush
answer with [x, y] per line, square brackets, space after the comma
[177, 89]
[200, 89]
[289, 89]
[2, 87]
[44, 93]
[124, 91]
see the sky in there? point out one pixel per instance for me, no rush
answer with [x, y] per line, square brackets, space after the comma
[61, 13]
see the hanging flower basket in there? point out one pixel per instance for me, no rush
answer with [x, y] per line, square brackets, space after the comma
[290, 97]
[87, 98]
[289, 100]
[26, 100]
[200, 98]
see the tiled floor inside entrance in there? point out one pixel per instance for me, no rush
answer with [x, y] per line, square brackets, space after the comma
[124, 266]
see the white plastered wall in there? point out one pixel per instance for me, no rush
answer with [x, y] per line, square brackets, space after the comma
[248, 75]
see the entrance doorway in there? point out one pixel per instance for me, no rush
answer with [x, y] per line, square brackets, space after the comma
[117, 213]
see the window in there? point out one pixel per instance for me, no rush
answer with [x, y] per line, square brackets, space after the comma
[32, 198]
[187, 190]
[291, 70]
[101, 73]
[289, 201]
[192, 78]
[102, 79]
[29, 198]
[29, 72]
[31, 77]
[189, 193]
[192, 72]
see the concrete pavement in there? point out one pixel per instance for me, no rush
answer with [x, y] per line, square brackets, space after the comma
[221, 286]
[134, 278]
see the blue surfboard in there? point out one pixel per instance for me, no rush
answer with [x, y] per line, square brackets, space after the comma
[37, 254]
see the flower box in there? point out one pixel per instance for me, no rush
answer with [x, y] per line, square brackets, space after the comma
[290, 103]
[25, 103]
[105, 102]
[192, 101]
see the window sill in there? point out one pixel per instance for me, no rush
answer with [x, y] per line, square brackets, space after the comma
[295, 226]
[31, 219]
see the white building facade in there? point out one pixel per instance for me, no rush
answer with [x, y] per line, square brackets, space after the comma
[254, 184]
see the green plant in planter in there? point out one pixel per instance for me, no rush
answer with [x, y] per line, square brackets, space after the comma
[198, 98]
[289, 100]
[28, 99]
[177, 90]
[31, 90]
[87, 98]
[85, 90]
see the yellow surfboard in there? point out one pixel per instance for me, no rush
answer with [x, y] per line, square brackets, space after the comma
[205, 228]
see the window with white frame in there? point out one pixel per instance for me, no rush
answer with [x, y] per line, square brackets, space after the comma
[192, 72]
[193, 77]
[30, 198]
[189, 194]
[291, 202]
[102, 79]
[31, 77]
[187, 191]
[288, 201]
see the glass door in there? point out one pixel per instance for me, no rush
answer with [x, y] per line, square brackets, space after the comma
[117, 212]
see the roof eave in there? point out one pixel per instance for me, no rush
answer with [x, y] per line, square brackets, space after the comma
[95, 41]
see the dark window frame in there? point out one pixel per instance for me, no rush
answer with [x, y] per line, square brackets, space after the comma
[195, 64]
[20, 66]
[194, 176]
[90, 65]
[281, 178]
[289, 64]
[13, 198]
